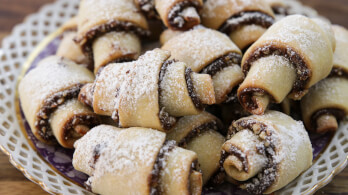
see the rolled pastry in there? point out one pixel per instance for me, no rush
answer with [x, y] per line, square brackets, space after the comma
[136, 160]
[244, 21]
[179, 14]
[68, 48]
[326, 103]
[108, 31]
[147, 7]
[293, 55]
[266, 152]
[149, 92]
[199, 133]
[211, 52]
[48, 96]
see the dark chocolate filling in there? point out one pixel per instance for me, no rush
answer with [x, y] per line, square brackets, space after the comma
[239, 154]
[167, 121]
[148, 8]
[246, 18]
[338, 113]
[118, 26]
[191, 90]
[83, 119]
[217, 65]
[265, 178]
[246, 95]
[96, 154]
[159, 165]
[49, 106]
[212, 125]
[302, 71]
[338, 72]
[86, 97]
[175, 13]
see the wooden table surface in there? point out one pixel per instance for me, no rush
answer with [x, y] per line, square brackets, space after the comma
[13, 12]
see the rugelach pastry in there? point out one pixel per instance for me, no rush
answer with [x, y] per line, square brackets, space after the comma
[243, 21]
[210, 52]
[48, 96]
[266, 152]
[150, 92]
[109, 31]
[327, 102]
[136, 160]
[294, 54]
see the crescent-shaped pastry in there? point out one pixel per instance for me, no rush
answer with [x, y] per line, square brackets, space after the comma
[108, 31]
[244, 21]
[199, 133]
[293, 55]
[67, 47]
[211, 52]
[179, 14]
[136, 160]
[48, 96]
[266, 152]
[149, 92]
[326, 103]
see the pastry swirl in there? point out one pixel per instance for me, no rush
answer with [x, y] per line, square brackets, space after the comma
[326, 102]
[179, 14]
[266, 152]
[293, 55]
[139, 159]
[243, 21]
[48, 96]
[199, 133]
[148, 8]
[210, 52]
[149, 92]
[108, 31]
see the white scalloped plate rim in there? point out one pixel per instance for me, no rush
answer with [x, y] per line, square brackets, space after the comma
[13, 55]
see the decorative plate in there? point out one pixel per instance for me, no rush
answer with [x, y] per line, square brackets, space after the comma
[50, 166]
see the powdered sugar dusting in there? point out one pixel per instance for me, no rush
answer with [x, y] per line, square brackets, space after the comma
[197, 48]
[277, 64]
[144, 78]
[109, 10]
[52, 75]
[129, 153]
[297, 30]
[109, 82]
[84, 147]
[290, 136]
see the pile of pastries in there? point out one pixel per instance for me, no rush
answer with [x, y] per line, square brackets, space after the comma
[214, 102]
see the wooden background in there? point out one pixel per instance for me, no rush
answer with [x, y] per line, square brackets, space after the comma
[13, 12]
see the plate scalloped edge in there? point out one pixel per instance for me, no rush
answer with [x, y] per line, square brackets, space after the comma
[15, 50]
